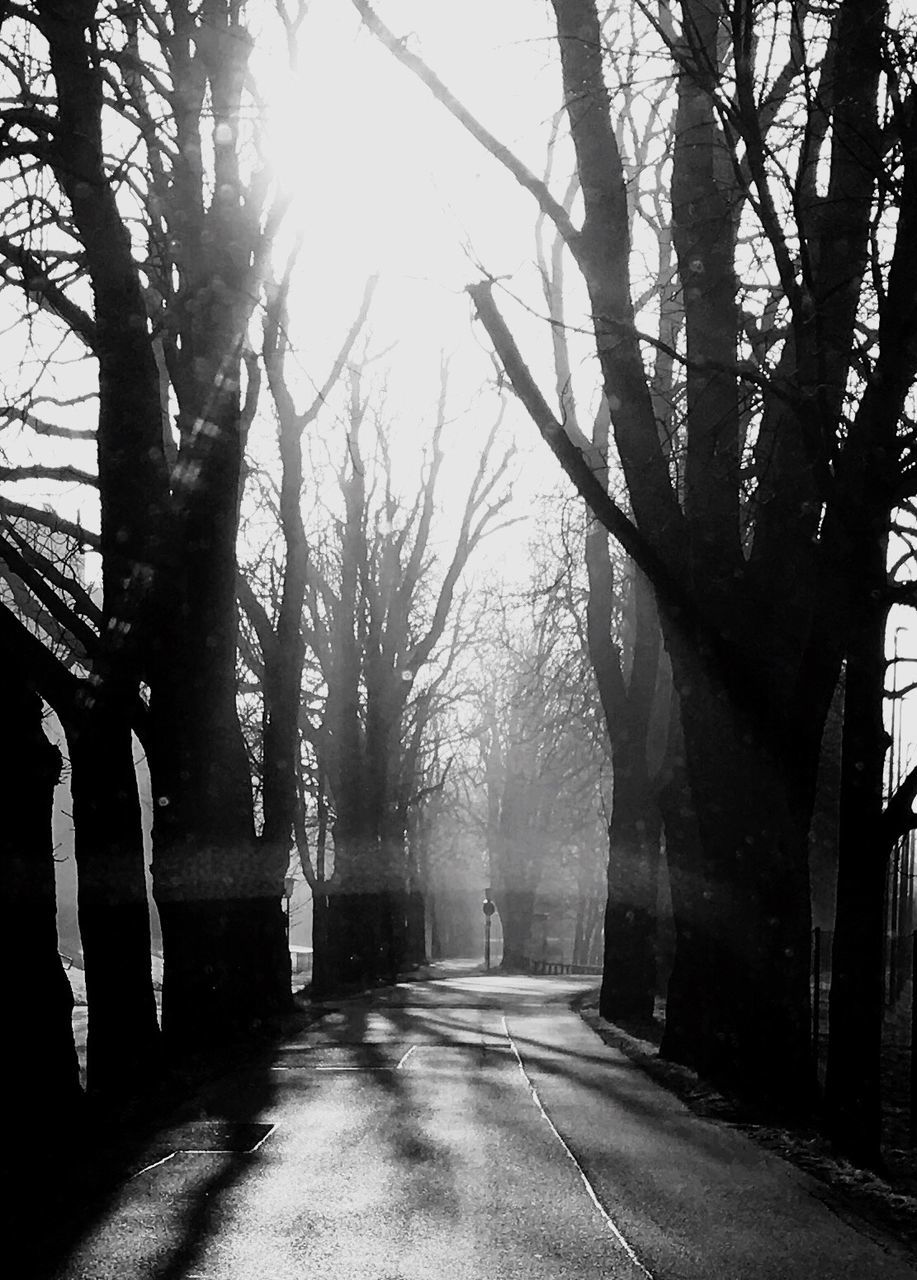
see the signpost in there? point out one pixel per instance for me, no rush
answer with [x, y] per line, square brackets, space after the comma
[289, 884]
[488, 908]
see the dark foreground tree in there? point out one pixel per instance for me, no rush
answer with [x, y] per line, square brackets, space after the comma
[757, 548]
[123, 1042]
[164, 314]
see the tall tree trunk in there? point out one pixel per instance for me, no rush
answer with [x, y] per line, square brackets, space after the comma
[114, 918]
[629, 970]
[438, 944]
[516, 908]
[579, 928]
[416, 926]
[853, 1081]
[358, 934]
[739, 997]
[220, 896]
[322, 969]
[686, 1016]
[629, 966]
[40, 1068]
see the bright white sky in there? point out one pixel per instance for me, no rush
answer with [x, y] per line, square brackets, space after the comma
[384, 180]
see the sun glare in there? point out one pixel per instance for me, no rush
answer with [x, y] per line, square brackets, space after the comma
[380, 179]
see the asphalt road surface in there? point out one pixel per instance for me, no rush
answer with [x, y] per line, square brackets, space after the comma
[469, 1128]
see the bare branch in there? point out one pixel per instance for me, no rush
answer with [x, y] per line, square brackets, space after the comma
[50, 520]
[13, 413]
[36, 284]
[550, 207]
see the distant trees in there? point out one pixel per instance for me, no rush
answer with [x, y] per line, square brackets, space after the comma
[379, 595]
[541, 760]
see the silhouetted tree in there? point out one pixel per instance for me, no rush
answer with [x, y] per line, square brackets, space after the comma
[761, 551]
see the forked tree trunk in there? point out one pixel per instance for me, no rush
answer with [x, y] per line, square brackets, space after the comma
[220, 896]
[123, 1049]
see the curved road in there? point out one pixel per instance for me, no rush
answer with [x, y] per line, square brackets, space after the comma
[466, 1128]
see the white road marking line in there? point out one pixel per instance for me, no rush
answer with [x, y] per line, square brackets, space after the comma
[203, 1151]
[154, 1165]
[333, 1067]
[404, 1057]
[590, 1190]
[261, 1140]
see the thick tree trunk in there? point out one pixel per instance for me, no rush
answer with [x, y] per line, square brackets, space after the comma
[629, 965]
[40, 1068]
[629, 969]
[853, 1082]
[398, 895]
[437, 939]
[123, 1044]
[359, 931]
[416, 931]
[220, 895]
[579, 929]
[738, 1006]
[226, 960]
[516, 908]
[684, 1020]
[323, 960]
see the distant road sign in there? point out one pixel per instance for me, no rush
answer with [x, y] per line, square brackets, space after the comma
[488, 908]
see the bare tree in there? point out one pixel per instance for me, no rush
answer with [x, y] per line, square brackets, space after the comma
[765, 553]
[374, 622]
[164, 320]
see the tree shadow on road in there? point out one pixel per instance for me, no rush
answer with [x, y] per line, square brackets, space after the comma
[80, 1200]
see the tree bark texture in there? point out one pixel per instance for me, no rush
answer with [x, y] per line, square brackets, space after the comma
[629, 964]
[516, 907]
[123, 1046]
[168, 540]
[739, 996]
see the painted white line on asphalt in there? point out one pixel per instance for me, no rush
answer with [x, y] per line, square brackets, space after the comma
[154, 1165]
[404, 1057]
[261, 1141]
[590, 1190]
[203, 1151]
[333, 1068]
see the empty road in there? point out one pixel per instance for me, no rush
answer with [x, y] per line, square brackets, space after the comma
[469, 1128]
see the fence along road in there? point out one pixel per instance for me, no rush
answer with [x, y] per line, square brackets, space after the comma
[466, 1128]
